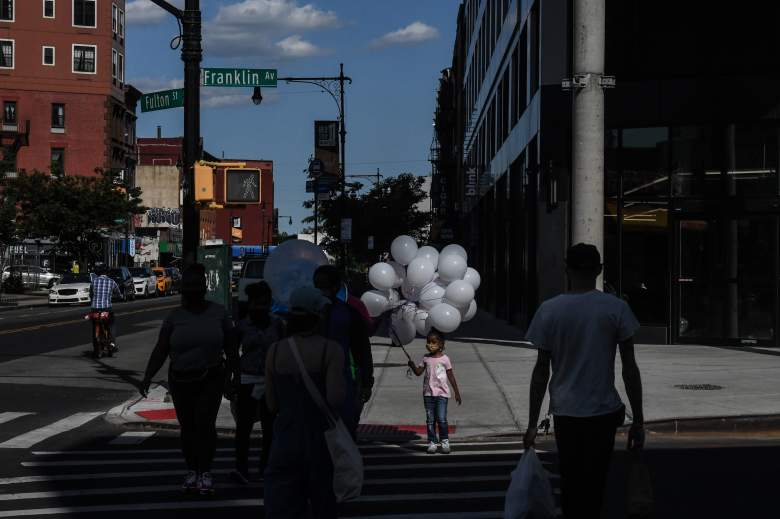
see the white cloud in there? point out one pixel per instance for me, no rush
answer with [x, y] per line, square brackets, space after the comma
[412, 34]
[145, 12]
[146, 84]
[262, 28]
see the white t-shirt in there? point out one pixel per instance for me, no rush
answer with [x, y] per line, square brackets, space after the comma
[581, 332]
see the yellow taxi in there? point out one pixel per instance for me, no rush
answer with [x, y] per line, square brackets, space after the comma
[164, 281]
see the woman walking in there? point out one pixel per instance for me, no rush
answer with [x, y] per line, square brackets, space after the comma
[299, 477]
[254, 334]
[197, 337]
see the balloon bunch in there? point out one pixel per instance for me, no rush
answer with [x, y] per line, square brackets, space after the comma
[423, 288]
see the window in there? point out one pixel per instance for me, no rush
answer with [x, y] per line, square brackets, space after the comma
[7, 10]
[121, 23]
[48, 56]
[121, 68]
[48, 8]
[9, 112]
[84, 59]
[6, 53]
[57, 162]
[58, 115]
[84, 13]
[114, 18]
[114, 60]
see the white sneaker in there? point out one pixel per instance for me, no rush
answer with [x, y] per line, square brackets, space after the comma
[190, 481]
[445, 447]
[206, 484]
[432, 448]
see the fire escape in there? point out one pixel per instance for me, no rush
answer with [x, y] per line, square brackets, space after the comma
[13, 135]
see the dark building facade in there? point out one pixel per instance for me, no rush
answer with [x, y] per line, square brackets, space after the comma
[692, 193]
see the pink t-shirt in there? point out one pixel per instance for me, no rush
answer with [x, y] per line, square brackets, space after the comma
[436, 383]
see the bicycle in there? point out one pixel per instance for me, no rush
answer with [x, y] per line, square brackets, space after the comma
[101, 340]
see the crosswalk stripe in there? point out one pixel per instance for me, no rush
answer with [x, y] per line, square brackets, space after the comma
[438, 496]
[109, 491]
[179, 505]
[132, 438]
[8, 416]
[453, 454]
[134, 452]
[35, 436]
[21, 480]
[445, 515]
[142, 461]
[456, 465]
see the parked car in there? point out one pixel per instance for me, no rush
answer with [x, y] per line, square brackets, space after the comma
[252, 272]
[175, 275]
[144, 280]
[124, 279]
[164, 281]
[32, 277]
[71, 289]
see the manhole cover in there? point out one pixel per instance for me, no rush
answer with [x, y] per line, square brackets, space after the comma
[698, 387]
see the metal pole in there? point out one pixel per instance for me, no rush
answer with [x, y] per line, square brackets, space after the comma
[191, 55]
[343, 134]
[316, 213]
[588, 125]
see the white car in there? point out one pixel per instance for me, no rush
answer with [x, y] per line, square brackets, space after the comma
[144, 281]
[72, 289]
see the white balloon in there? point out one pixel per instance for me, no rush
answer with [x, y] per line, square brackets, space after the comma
[382, 276]
[473, 277]
[291, 265]
[404, 249]
[454, 248]
[420, 272]
[422, 323]
[408, 311]
[459, 294]
[403, 329]
[429, 253]
[400, 273]
[471, 312]
[445, 318]
[431, 295]
[410, 293]
[451, 267]
[376, 302]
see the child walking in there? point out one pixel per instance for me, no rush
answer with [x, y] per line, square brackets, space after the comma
[436, 390]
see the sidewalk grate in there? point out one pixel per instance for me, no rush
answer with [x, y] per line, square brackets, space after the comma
[699, 387]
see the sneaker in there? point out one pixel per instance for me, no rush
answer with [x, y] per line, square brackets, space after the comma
[206, 484]
[190, 482]
[445, 447]
[432, 448]
[239, 477]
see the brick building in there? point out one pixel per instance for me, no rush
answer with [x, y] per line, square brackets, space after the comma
[66, 108]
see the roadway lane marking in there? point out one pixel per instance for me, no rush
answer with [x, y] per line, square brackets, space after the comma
[132, 438]
[80, 320]
[8, 416]
[28, 439]
[109, 491]
[136, 507]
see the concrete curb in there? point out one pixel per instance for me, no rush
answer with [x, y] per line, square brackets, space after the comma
[732, 424]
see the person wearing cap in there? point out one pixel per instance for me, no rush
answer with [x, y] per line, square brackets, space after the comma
[254, 336]
[299, 475]
[197, 337]
[578, 333]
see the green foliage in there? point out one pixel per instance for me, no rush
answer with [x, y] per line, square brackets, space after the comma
[387, 210]
[72, 210]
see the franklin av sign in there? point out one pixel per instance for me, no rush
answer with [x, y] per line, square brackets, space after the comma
[238, 77]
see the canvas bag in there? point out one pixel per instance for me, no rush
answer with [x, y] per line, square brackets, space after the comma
[529, 495]
[346, 458]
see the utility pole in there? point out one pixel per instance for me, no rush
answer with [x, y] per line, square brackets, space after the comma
[588, 123]
[191, 55]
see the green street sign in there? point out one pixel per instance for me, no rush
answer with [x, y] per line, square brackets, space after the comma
[162, 100]
[119, 221]
[238, 77]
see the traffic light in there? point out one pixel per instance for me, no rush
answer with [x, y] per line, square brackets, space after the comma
[204, 183]
[242, 186]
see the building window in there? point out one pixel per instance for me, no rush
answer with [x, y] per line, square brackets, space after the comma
[121, 23]
[9, 112]
[114, 60]
[84, 13]
[6, 53]
[121, 68]
[7, 10]
[57, 162]
[48, 56]
[114, 18]
[84, 59]
[58, 115]
[48, 8]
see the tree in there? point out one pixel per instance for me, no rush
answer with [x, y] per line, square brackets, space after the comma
[7, 226]
[74, 211]
[387, 210]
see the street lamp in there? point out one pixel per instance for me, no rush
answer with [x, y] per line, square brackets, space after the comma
[257, 96]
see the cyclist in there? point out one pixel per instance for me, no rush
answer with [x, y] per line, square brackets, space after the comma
[102, 290]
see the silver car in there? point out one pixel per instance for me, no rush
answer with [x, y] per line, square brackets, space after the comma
[32, 276]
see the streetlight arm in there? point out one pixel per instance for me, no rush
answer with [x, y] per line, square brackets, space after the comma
[175, 11]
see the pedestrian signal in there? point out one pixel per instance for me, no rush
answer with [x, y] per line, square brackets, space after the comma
[242, 186]
[204, 183]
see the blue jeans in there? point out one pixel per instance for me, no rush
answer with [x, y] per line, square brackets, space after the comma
[436, 414]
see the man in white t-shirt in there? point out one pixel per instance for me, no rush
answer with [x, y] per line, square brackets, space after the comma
[578, 333]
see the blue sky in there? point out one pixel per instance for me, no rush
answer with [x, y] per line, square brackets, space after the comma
[393, 50]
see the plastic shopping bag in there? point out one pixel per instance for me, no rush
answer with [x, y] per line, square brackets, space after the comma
[639, 490]
[530, 494]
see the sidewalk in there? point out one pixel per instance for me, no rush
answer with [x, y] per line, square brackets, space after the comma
[493, 370]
